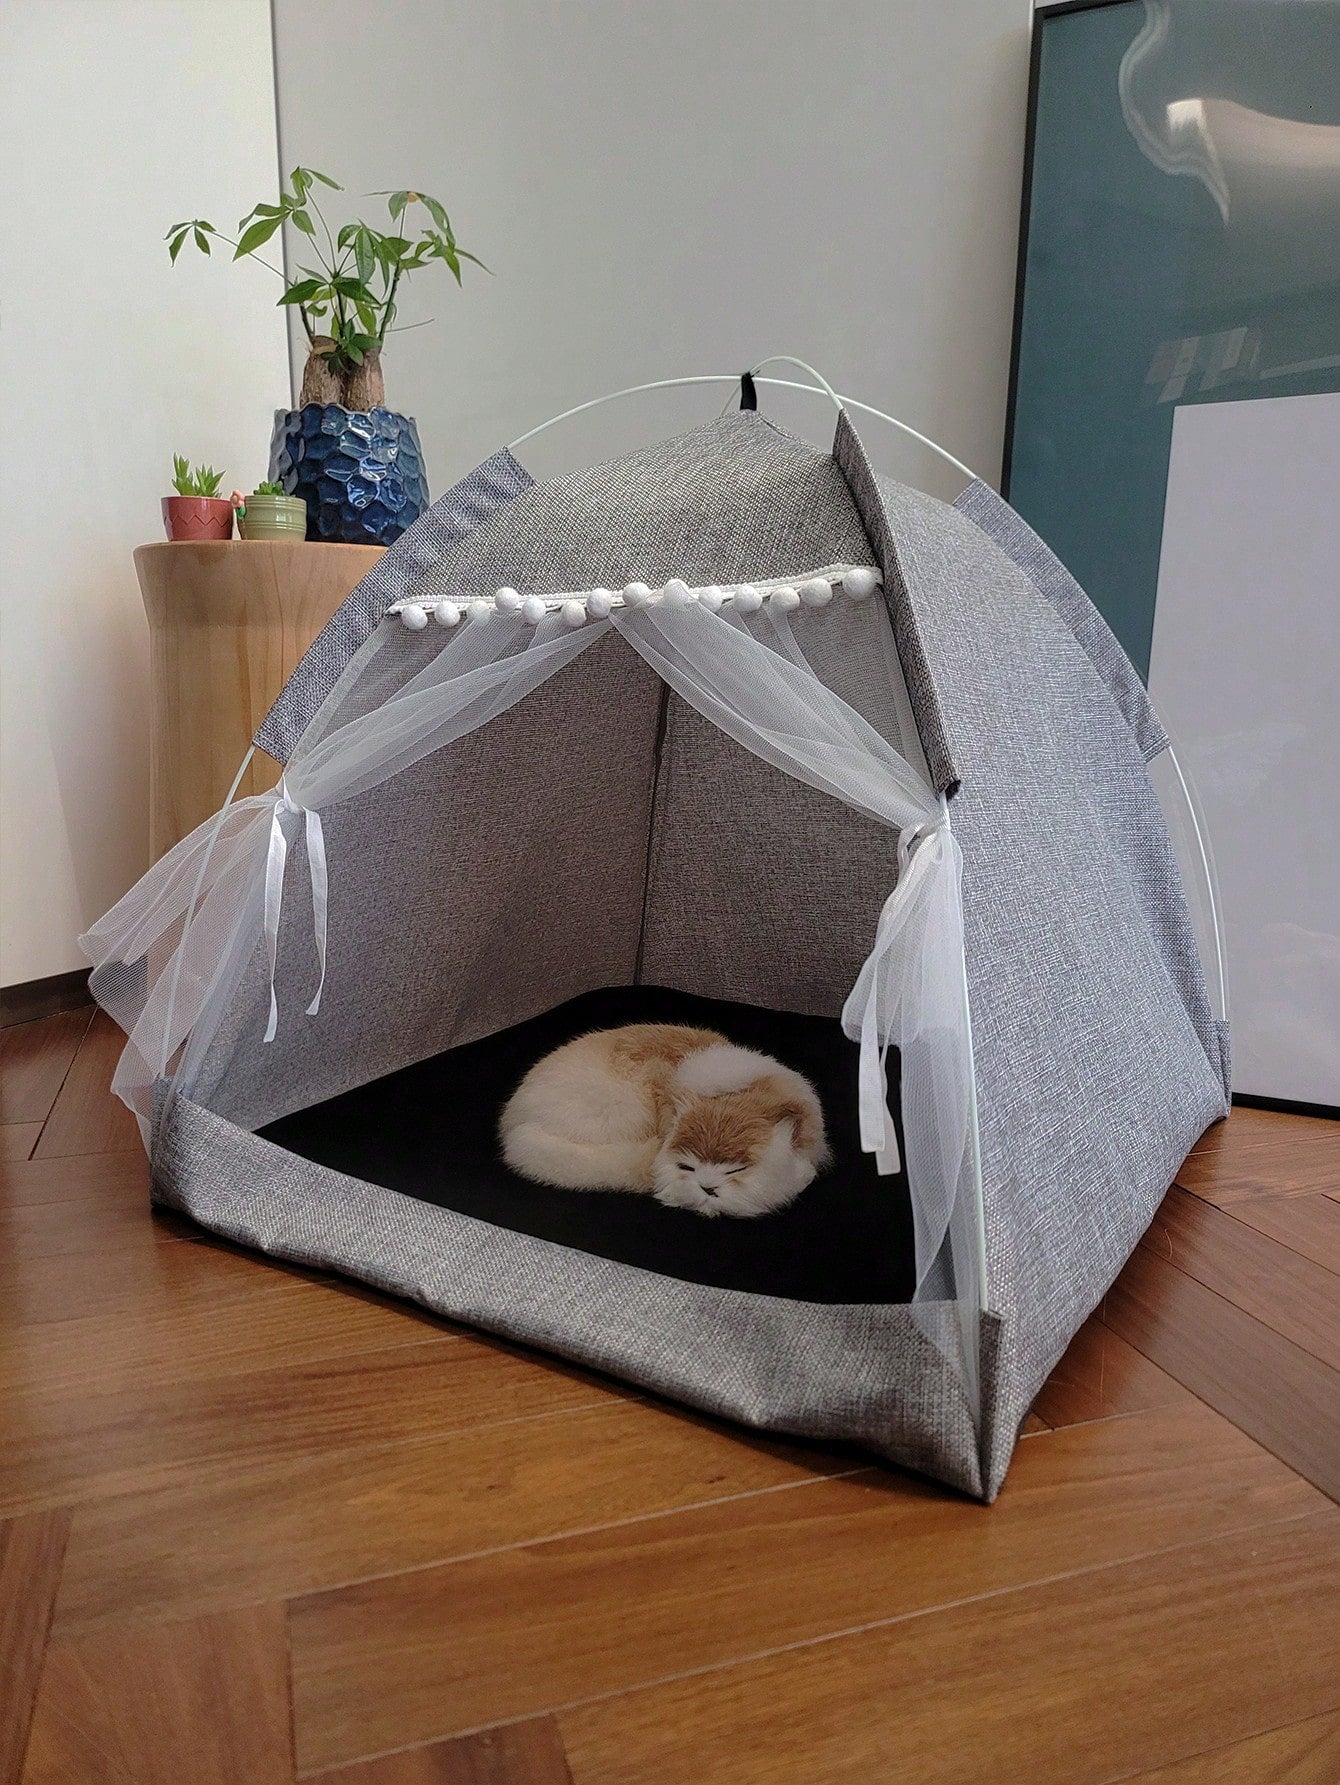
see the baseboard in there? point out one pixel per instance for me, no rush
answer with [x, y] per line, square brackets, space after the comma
[43, 997]
[1286, 1105]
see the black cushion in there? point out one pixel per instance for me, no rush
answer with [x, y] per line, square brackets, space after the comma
[430, 1131]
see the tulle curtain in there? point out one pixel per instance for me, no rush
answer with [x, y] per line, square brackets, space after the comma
[167, 980]
[169, 956]
[911, 992]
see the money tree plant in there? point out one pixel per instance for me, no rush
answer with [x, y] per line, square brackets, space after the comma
[348, 300]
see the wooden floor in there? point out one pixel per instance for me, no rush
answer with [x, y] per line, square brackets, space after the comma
[259, 1524]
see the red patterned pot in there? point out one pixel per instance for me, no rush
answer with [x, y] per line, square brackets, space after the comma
[198, 517]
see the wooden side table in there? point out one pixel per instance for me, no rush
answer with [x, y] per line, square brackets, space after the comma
[228, 622]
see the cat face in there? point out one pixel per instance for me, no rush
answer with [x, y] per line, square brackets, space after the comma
[731, 1155]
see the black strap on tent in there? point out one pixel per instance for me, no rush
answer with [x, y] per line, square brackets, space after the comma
[748, 391]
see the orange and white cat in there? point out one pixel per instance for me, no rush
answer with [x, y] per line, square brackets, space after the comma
[678, 1113]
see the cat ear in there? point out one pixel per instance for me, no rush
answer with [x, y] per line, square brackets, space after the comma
[787, 1107]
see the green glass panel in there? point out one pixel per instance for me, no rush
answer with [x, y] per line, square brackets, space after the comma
[1183, 246]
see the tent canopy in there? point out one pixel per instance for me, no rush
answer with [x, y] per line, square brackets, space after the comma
[925, 814]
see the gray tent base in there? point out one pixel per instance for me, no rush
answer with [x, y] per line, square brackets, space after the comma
[837, 1372]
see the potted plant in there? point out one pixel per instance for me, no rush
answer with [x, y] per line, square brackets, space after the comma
[358, 465]
[197, 511]
[269, 513]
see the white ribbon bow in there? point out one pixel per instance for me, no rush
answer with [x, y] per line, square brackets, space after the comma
[275, 862]
[874, 1002]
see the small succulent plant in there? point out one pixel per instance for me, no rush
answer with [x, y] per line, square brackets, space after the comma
[203, 481]
[269, 489]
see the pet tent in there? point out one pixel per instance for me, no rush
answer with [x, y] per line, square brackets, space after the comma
[732, 731]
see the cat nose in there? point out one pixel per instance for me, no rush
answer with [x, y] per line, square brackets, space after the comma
[706, 1191]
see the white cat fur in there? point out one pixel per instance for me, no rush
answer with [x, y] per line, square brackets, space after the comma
[670, 1111]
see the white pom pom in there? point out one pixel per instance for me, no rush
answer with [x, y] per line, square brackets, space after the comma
[860, 583]
[748, 599]
[598, 603]
[817, 592]
[786, 601]
[574, 613]
[711, 598]
[676, 593]
[507, 601]
[532, 610]
[446, 613]
[636, 594]
[479, 610]
[413, 618]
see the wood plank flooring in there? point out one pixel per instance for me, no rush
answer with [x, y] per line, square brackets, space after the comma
[257, 1525]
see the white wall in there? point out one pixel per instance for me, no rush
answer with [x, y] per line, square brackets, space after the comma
[117, 118]
[660, 188]
[681, 187]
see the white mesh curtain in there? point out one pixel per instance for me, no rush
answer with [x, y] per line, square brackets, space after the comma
[168, 958]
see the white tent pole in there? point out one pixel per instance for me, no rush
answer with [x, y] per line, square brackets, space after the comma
[880, 415]
[789, 359]
[629, 390]
[1207, 868]
[820, 388]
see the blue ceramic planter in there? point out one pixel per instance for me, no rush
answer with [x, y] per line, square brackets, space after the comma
[360, 471]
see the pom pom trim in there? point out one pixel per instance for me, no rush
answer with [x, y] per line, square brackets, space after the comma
[575, 606]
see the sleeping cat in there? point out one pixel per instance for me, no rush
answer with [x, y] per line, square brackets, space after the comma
[678, 1113]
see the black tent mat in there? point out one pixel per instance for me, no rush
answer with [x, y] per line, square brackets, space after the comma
[430, 1131]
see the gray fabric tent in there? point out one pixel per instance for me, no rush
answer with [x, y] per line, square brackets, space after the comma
[601, 849]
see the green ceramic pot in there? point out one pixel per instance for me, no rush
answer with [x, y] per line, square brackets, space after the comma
[274, 517]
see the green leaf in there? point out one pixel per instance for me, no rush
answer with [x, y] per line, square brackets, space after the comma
[325, 179]
[465, 255]
[354, 345]
[201, 241]
[347, 233]
[393, 248]
[449, 255]
[352, 288]
[438, 214]
[302, 221]
[367, 316]
[174, 246]
[365, 256]
[300, 180]
[255, 237]
[436, 248]
[304, 291]
[278, 212]
[397, 202]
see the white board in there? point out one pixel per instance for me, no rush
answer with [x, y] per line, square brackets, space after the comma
[1245, 671]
